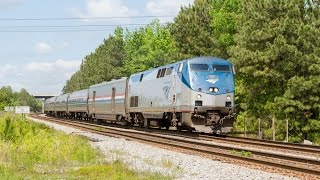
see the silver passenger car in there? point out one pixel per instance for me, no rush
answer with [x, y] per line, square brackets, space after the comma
[77, 104]
[106, 101]
[48, 106]
[61, 105]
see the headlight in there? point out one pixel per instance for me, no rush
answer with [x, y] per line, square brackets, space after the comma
[199, 96]
[215, 89]
[211, 89]
[228, 98]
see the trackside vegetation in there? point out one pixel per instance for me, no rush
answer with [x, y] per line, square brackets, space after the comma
[274, 44]
[33, 151]
[22, 98]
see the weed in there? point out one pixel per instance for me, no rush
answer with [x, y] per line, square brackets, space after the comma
[118, 152]
[167, 163]
[246, 153]
[233, 152]
[148, 161]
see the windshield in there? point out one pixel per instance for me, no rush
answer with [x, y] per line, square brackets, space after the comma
[221, 68]
[199, 67]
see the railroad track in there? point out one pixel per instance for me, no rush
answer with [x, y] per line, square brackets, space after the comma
[308, 167]
[294, 148]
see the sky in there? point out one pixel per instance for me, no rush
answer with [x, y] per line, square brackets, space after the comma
[42, 43]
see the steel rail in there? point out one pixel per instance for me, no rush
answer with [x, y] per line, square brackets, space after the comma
[266, 143]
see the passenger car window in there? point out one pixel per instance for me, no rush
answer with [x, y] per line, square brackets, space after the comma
[199, 67]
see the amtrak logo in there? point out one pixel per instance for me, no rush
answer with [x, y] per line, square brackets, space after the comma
[166, 91]
[212, 80]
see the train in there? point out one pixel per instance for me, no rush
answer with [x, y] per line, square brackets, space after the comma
[195, 94]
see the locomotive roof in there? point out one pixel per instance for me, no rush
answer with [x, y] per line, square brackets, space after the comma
[202, 59]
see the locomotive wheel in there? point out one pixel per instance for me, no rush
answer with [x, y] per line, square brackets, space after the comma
[178, 128]
[140, 124]
[148, 123]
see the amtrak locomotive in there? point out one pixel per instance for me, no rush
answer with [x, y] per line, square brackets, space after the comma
[195, 94]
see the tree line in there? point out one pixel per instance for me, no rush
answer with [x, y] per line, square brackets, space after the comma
[22, 98]
[274, 44]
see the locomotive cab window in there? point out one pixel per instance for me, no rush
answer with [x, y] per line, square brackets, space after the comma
[199, 67]
[169, 71]
[224, 68]
[141, 77]
[180, 68]
[233, 70]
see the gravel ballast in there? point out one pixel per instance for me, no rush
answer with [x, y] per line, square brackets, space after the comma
[143, 157]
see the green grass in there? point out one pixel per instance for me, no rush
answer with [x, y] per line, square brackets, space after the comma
[167, 163]
[233, 152]
[33, 151]
[246, 153]
[242, 153]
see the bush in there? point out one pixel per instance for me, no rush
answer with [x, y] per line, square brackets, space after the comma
[33, 151]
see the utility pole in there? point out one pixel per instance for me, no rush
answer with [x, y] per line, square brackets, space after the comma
[273, 131]
[245, 128]
[259, 133]
[287, 129]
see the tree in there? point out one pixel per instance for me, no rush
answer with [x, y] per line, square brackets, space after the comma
[104, 64]
[23, 98]
[193, 32]
[277, 55]
[205, 28]
[10, 98]
[6, 97]
[148, 47]
[224, 14]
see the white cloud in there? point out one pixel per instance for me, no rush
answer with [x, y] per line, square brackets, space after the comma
[39, 77]
[43, 48]
[59, 64]
[166, 7]
[105, 8]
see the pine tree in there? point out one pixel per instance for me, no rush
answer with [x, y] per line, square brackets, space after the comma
[277, 55]
[193, 32]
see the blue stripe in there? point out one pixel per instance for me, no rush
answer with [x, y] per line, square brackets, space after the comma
[109, 100]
